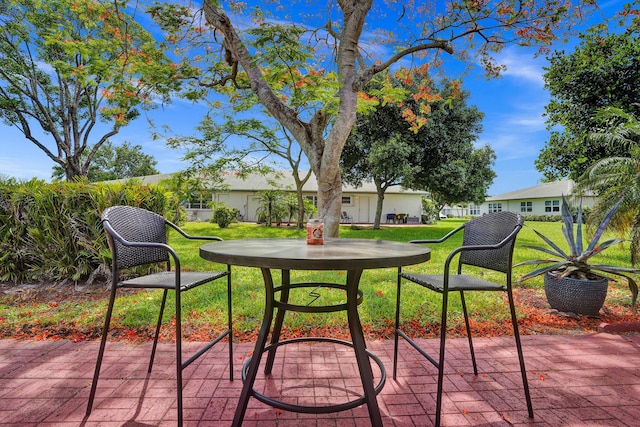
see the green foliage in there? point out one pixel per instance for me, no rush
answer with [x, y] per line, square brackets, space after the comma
[575, 263]
[542, 218]
[91, 68]
[110, 163]
[272, 207]
[438, 156]
[223, 215]
[618, 178]
[603, 71]
[430, 210]
[586, 212]
[52, 232]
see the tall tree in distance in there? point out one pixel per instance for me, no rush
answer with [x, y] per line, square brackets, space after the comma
[438, 157]
[618, 177]
[308, 63]
[603, 71]
[463, 180]
[74, 72]
[382, 146]
[448, 164]
[120, 162]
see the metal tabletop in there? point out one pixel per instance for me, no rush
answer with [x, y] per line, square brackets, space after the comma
[296, 254]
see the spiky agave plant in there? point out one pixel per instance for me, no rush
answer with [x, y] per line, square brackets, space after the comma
[576, 263]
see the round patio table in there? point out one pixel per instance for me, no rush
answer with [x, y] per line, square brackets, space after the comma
[350, 255]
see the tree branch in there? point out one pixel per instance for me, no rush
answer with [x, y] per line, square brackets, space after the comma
[263, 91]
[368, 73]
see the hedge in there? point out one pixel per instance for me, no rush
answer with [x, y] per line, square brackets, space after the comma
[52, 232]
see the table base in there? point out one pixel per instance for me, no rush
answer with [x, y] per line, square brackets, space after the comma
[316, 409]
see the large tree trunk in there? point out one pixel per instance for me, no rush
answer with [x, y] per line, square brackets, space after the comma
[330, 203]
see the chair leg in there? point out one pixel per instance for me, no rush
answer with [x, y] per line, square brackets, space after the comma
[103, 343]
[230, 323]
[523, 371]
[179, 355]
[395, 331]
[155, 339]
[468, 326]
[443, 339]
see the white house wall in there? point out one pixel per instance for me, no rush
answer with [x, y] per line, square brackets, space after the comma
[537, 195]
[244, 190]
[362, 208]
[538, 205]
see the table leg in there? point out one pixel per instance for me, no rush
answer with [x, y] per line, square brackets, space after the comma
[277, 327]
[360, 346]
[252, 371]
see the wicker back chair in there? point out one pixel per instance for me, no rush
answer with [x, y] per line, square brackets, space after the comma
[488, 242]
[139, 237]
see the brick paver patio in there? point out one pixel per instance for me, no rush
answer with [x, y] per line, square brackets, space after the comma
[583, 380]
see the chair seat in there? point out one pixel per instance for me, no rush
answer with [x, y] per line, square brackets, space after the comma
[457, 282]
[167, 280]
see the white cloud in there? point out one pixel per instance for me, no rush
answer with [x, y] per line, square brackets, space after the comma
[527, 121]
[521, 65]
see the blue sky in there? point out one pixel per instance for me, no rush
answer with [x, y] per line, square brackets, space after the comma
[513, 125]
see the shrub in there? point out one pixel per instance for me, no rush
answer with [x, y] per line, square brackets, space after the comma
[223, 216]
[52, 232]
[542, 217]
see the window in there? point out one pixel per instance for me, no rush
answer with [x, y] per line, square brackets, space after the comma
[198, 201]
[347, 201]
[196, 205]
[474, 210]
[526, 206]
[552, 205]
[495, 207]
[314, 200]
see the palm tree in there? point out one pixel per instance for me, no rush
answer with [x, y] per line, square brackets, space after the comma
[616, 178]
[270, 206]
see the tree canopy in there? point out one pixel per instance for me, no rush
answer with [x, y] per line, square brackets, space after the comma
[448, 164]
[74, 72]
[617, 178]
[438, 157]
[308, 63]
[603, 71]
[119, 162]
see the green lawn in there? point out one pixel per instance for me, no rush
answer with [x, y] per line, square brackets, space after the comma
[204, 308]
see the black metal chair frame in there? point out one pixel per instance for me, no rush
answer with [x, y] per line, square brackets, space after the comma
[345, 218]
[488, 243]
[138, 237]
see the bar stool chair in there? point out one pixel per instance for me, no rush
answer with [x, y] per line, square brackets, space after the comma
[139, 237]
[488, 243]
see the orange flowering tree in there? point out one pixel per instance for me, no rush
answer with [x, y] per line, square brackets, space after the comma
[307, 63]
[74, 72]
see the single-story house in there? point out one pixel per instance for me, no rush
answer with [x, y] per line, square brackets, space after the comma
[359, 204]
[543, 199]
